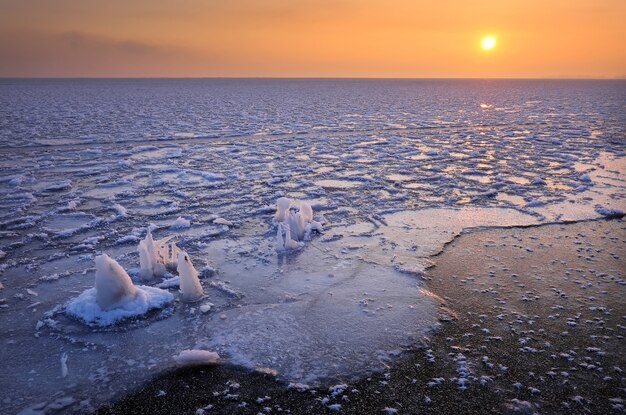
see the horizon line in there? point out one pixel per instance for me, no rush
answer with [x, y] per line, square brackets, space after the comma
[604, 78]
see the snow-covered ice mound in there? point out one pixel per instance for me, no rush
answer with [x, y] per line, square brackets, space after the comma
[294, 224]
[114, 297]
[86, 308]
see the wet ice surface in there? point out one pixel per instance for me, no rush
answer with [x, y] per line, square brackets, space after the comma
[391, 190]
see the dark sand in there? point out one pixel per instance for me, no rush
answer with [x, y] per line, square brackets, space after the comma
[533, 319]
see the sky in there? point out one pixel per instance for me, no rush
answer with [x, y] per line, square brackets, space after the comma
[313, 38]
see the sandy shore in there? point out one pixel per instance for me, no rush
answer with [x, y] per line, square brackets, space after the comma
[531, 321]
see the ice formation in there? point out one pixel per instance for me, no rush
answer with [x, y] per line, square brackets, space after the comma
[293, 226]
[189, 281]
[64, 370]
[282, 206]
[180, 223]
[156, 256]
[222, 221]
[114, 287]
[196, 357]
[114, 297]
[86, 308]
[284, 238]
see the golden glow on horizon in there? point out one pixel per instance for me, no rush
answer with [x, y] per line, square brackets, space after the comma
[488, 43]
[313, 38]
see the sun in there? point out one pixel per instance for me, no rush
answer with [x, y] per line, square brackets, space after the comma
[488, 42]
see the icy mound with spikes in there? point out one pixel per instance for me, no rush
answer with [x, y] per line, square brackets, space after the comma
[294, 224]
[155, 257]
[86, 308]
[114, 297]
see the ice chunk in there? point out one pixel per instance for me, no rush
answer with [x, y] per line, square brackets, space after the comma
[149, 262]
[169, 252]
[316, 226]
[282, 206]
[609, 212]
[196, 357]
[290, 242]
[156, 256]
[120, 210]
[286, 242]
[205, 308]
[58, 186]
[71, 205]
[169, 282]
[64, 365]
[189, 281]
[306, 211]
[280, 240]
[222, 221]
[180, 223]
[114, 287]
[293, 227]
[297, 226]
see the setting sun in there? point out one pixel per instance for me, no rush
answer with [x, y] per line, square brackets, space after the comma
[488, 42]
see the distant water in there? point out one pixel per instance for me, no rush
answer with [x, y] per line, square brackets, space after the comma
[61, 111]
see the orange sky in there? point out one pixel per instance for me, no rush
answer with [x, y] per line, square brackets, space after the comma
[313, 38]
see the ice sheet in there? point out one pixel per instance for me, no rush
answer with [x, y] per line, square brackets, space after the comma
[395, 176]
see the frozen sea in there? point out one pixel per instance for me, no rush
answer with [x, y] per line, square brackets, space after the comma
[395, 169]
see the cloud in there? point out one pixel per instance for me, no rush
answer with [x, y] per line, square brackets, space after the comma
[76, 53]
[86, 42]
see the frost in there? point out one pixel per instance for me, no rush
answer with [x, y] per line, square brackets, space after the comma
[300, 387]
[337, 389]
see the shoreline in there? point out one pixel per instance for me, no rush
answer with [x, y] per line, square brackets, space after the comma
[532, 319]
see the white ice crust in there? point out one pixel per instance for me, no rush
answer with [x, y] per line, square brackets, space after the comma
[86, 308]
